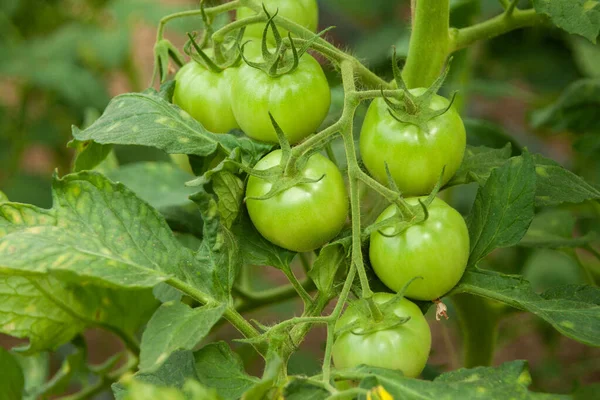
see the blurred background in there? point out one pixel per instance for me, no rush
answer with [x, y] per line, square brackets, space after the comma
[62, 61]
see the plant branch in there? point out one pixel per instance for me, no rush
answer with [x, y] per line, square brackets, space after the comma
[503, 23]
[306, 298]
[429, 43]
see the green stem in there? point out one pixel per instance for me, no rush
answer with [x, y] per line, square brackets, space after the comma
[479, 328]
[306, 261]
[230, 314]
[219, 35]
[306, 298]
[429, 43]
[503, 23]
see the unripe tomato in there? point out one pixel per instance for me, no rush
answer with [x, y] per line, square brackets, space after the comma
[299, 101]
[404, 347]
[304, 217]
[302, 12]
[415, 157]
[205, 95]
[436, 250]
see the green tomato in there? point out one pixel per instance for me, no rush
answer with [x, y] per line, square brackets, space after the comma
[404, 347]
[304, 217]
[302, 12]
[436, 250]
[205, 95]
[415, 158]
[299, 101]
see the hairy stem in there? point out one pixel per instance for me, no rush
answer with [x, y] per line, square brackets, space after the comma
[429, 43]
[501, 24]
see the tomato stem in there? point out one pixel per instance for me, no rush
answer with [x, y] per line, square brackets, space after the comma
[429, 43]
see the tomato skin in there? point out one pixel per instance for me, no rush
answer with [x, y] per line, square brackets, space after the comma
[436, 249]
[415, 158]
[304, 217]
[404, 347]
[302, 12]
[205, 95]
[299, 101]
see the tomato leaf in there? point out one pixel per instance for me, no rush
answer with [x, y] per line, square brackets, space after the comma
[12, 384]
[35, 370]
[478, 163]
[97, 231]
[581, 17]
[175, 326]
[300, 389]
[509, 380]
[220, 368]
[503, 208]
[3, 197]
[576, 109]
[173, 373]
[332, 262]
[573, 310]
[554, 230]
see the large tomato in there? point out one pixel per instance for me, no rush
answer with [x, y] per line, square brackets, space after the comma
[403, 347]
[299, 101]
[415, 157]
[205, 95]
[302, 12]
[306, 216]
[436, 250]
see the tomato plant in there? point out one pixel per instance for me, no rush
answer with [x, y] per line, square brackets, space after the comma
[415, 156]
[274, 231]
[305, 216]
[436, 250]
[401, 346]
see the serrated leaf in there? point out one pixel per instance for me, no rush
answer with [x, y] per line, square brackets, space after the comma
[97, 231]
[572, 310]
[220, 368]
[575, 110]
[50, 312]
[503, 208]
[557, 185]
[175, 326]
[173, 373]
[508, 381]
[256, 250]
[478, 164]
[12, 384]
[580, 17]
[554, 230]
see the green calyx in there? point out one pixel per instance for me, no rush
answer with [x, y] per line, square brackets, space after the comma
[287, 174]
[225, 54]
[407, 214]
[285, 58]
[411, 109]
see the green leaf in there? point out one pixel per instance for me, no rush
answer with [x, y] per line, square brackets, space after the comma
[557, 185]
[50, 312]
[220, 368]
[173, 373]
[175, 326]
[554, 230]
[508, 381]
[192, 390]
[89, 154]
[12, 384]
[331, 264]
[478, 164]
[503, 208]
[575, 110]
[300, 389]
[97, 231]
[580, 17]
[572, 310]
[3, 197]
[256, 250]
[586, 55]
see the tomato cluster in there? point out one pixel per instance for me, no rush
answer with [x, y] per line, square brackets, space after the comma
[313, 209]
